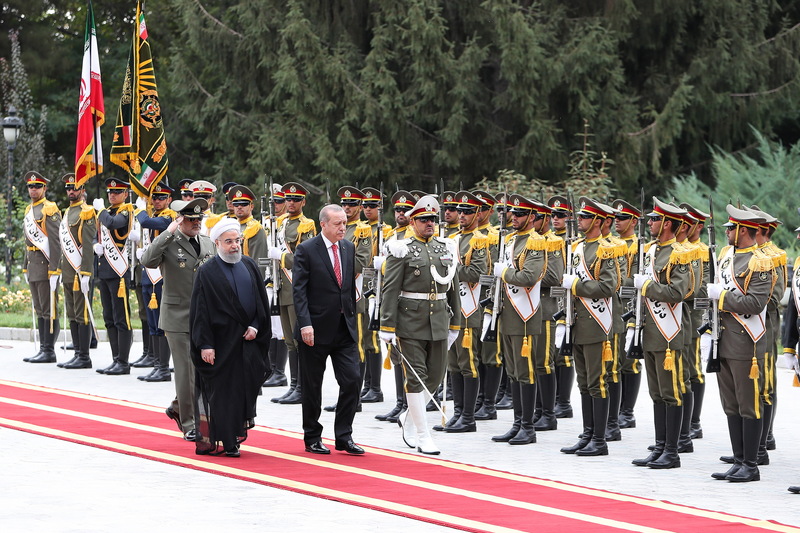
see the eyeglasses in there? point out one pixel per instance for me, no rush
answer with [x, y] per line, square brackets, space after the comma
[35, 185]
[188, 194]
[539, 217]
[69, 188]
[370, 205]
[293, 200]
[623, 217]
[466, 210]
[400, 209]
[279, 201]
[560, 214]
[427, 220]
[116, 191]
[519, 213]
[585, 216]
[655, 218]
[160, 196]
[450, 208]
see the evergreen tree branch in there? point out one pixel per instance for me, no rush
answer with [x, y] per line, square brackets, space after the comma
[217, 21]
[211, 96]
[762, 93]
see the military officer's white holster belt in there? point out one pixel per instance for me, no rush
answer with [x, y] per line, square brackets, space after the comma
[423, 295]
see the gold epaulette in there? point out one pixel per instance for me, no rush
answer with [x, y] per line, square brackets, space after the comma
[479, 241]
[576, 243]
[724, 251]
[281, 218]
[796, 264]
[510, 236]
[703, 247]
[211, 220]
[363, 231]
[168, 213]
[648, 245]
[634, 248]
[251, 229]
[387, 232]
[760, 262]
[535, 242]
[493, 238]
[607, 250]
[87, 212]
[554, 242]
[682, 255]
[620, 246]
[49, 209]
[306, 225]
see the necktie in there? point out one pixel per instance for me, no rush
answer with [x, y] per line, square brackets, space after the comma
[337, 267]
[195, 245]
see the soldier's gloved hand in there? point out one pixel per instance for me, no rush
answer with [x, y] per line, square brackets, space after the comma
[141, 204]
[561, 333]
[25, 275]
[135, 236]
[487, 323]
[274, 253]
[98, 204]
[277, 329]
[139, 253]
[629, 333]
[568, 281]
[370, 307]
[98, 248]
[452, 335]
[705, 346]
[714, 290]
[377, 261]
[499, 268]
[388, 337]
[639, 279]
[85, 284]
[54, 282]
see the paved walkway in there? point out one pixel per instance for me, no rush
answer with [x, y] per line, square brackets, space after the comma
[51, 485]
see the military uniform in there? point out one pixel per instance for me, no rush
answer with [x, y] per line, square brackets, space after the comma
[78, 235]
[254, 236]
[449, 203]
[206, 190]
[175, 254]
[278, 354]
[41, 266]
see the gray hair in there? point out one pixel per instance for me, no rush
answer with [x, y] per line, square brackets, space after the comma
[326, 212]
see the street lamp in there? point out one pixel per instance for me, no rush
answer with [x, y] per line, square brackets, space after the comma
[12, 126]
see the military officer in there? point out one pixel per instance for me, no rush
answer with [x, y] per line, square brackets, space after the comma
[664, 285]
[791, 330]
[78, 233]
[449, 213]
[294, 228]
[206, 190]
[278, 354]
[154, 219]
[254, 237]
[179, 251]
[41, 264]
[185, 192]
[226, 188]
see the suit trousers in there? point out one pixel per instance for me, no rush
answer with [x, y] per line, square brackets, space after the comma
[345, 360]
[184, 402]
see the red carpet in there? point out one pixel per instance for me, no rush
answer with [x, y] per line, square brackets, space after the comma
[428, 489]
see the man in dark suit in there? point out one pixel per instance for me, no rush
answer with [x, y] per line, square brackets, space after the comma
[323, 278]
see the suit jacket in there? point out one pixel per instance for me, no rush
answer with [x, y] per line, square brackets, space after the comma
[178, 261]
[318, 299]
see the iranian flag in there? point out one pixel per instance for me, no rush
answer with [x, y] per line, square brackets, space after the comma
[91, 111]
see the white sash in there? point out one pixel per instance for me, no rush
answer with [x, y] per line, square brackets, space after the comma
[34, 234]
[667, 317]
[525, 300]
[470, 296]
[753, 324]
[153, 273]
[599, 308]
[71, 249]
[116, 259]
[359, 286]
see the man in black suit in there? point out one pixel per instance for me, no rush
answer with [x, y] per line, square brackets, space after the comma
[323, 278]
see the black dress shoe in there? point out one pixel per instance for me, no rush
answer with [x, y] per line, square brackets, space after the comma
[118, 369]
[318, 447]
[795, 489]
[276, 379]
[173, 414]
[372, 396]
[190, 435]
[330, 408]
[294, 398]
[350, 447]
[232, 452]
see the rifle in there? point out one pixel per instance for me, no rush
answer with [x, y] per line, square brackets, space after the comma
[636, 351]
[713, 273]
[571, 236]
[276, 267]
[375, 319]
[491, 333]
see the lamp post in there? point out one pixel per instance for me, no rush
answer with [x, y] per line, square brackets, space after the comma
[12, 124]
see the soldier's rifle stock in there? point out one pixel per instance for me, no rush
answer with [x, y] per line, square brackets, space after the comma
[491, 333]
[375, 318]
[713, 364]
[636, 351]
[565, 350]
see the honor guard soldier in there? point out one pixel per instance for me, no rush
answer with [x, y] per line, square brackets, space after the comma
[402, 202]
[78, 234]
[463, 358]
[41, 265]
[664, 285]
[421, 313]
[226, 189]
[154, 219]
[741, 293]
[294, 229]
[115, 227]
[278, 354]
[560, 213]
[626, 220]
[449, 213]
[254, 237]
[185, 192]
[503, 399]
[520, 270]
[372, 392]
[593, 282]
[791, 331]
[179, 251]
[206, 190]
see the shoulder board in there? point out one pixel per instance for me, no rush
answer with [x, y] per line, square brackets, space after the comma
[28, 208]
[760, 262]
[648, 245]
[87, 212]
[510, 236]
[49, 209]
[703, 248]
[306, 225]
[363, 231]
[577, 242]
[536, 242]
[479, 241]
[167, 213]
[681, 255]
[126, 207]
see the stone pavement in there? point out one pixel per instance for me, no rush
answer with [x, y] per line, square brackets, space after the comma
[52, 485]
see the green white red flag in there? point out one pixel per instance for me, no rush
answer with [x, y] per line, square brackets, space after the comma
[91, 110]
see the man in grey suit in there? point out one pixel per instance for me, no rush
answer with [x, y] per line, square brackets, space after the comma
[179, 251]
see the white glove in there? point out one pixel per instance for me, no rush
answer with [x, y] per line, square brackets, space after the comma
[568, 281]
[370, 307]
[54, 282]
[277, 328]
[629, 339]
[714, 290]
[141, 204]
[139, 254]
[499, 267]
[388, 337]
[98, 248]
[25, 275]
[705, 346]
[452, 335]
[270, 294]
[639, 279]
[85, 284]
[135, 236]
[487, 322]
[98, 204]
[561, 333]
[378, 261]
[275, 253]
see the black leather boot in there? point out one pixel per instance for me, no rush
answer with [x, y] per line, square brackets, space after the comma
[147, 360]
[565, 378]
[526, 433]
[399, 391]
[82, 340]
[161, 372]
[670, 458]
[516, 405]
[587, 412]
[466, 422]
[737, 445]
[278, 356]
[457, 385]
[630, 393]
[73, 331]
[597, 446]
[47, 353]
[113, 341]
[490, 385]
[39, 329]
[122, 367]
[372, 379]
[296, 394]
[547, 392]
[293, 381]
[660, 425]
[766, 416]
[751, 437]
[698, 391]
[503, 400]
[613, 432]
[685, 441]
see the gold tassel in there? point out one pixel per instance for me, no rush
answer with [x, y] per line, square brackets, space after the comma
[754, 369]
[121, 290]
[466, 342]
[153, 301]
[526, 348]
[76, 286]
[567, 361]
[387, 363]
[796, 381]
[669, 361]
[608, 355]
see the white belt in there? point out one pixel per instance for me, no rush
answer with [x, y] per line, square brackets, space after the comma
[423, 295]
